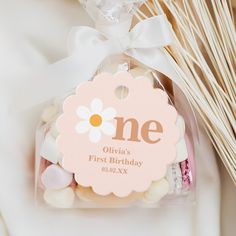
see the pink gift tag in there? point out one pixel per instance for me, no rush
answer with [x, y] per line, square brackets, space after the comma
[117, 145]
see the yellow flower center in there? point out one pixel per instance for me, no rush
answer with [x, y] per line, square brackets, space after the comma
[95, 120]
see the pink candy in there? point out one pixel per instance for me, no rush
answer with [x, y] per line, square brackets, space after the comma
[187, 166]
[55, 177]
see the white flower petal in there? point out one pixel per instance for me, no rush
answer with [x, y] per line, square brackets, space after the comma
[96, 106]
[108, 113]
[82, 127]
[83, 112]
[108, 128]
[95, 135]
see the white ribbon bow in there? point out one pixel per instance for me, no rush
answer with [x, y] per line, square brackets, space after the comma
[89, 48]
[154, 32]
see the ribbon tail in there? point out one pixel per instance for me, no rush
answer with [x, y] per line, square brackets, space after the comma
[155, 59]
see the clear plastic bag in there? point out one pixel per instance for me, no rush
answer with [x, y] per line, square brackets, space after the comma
[57, 187]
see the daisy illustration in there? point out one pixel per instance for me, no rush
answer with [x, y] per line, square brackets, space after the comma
[95, 120]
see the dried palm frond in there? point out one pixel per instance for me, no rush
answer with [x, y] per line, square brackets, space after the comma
[205, 60]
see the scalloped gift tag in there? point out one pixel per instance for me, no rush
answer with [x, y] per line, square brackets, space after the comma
[117, 144]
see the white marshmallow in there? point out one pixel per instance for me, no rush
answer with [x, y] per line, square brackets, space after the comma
[55, 177]
[84, 193]
[181, 125]
[53, 130]
[110, 68]
[156, 191]
[63, 198]
[139, 71]
[88, 195]
[49, 149]
[174, 177]
[49, 113]
[182, 152]
[135, 72]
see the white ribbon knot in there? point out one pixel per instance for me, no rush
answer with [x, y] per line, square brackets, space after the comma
[154, 32]
[121, 44]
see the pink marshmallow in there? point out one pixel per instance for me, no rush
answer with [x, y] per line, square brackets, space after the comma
[55, 177]
[188, 166]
